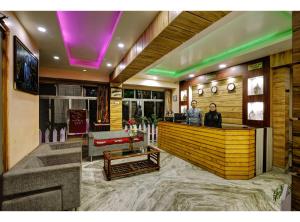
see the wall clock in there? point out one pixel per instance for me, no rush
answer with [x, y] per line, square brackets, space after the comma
[214, 89]
[200, 92]
[230, 87]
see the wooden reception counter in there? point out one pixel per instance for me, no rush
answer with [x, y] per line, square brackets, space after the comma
[226, 152]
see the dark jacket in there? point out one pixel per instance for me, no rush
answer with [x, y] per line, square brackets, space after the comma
[213, 119]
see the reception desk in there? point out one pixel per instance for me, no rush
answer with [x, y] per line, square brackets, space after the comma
[226, 152]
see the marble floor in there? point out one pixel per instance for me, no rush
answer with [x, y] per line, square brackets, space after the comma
[178, 186]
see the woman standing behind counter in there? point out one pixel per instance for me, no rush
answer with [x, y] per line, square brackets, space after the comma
[213, 118]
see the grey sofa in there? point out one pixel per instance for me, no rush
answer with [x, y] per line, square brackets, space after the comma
[47, 179]
[94, 150]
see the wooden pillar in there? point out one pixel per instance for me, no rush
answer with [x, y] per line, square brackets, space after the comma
[296, 111]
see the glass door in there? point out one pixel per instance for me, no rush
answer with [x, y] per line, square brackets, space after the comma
[148, 108]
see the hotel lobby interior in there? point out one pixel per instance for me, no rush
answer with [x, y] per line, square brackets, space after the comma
[150, 111]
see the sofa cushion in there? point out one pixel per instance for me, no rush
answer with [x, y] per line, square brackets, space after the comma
[105, 142]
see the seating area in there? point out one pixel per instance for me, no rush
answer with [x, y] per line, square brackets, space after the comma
[153, 110]
[47, 179]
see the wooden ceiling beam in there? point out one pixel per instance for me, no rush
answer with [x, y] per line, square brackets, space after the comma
[166, 32]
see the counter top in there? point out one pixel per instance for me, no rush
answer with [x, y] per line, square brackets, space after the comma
[226, 152]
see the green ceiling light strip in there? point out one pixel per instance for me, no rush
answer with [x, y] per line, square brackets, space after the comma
[236, 51]
[273, 37]
[161, 72]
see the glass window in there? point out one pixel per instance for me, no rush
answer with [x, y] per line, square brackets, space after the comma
[128, 93]
[158, 95]
[160, 108]
[143, 94]
[91, 91]
[125, 111]
[69, 90]
[148, 109]
[61, 107]
[78, 104]
[47, 89]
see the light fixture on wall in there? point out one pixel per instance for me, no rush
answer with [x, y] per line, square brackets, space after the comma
[41, 29]
[56, 57]
[231, 87]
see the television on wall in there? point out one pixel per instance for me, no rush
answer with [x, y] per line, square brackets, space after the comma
[25, 68]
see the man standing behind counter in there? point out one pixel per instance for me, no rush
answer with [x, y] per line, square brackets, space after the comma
[193, 115]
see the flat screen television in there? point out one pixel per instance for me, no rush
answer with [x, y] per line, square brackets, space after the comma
[26, 75]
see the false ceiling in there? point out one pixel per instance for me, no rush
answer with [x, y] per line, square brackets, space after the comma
[236, 38]
[89, 40]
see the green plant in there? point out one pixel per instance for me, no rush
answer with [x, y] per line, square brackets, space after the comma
[278, 192]
[151, 120]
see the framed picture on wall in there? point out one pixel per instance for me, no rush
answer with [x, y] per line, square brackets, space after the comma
[116, 93]
[26, 65]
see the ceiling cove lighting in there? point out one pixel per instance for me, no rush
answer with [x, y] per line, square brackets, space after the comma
[87, 35]
[41, 29]
[251, 45]
[56, 57]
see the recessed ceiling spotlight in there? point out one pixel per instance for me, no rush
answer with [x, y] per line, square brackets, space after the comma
[84, 70]
[121, 45]
[108, 64]
[42, 29]
[191, 75]
[222, 66]
[56, 57]
[155, 77]
[122, 66]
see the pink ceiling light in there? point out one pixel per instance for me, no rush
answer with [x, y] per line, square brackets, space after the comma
[87, 35]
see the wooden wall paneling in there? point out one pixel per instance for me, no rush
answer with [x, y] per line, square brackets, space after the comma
[231, 111]
[296, 46]
[280, 115]
[281, 59]
[167, 31]
[296, 111]
[115, 114]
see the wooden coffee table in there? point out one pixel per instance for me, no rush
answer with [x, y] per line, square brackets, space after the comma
[129, 168]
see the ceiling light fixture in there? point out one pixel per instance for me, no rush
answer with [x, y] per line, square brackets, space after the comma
[222, 66]
[42, 29]
[155, 77]
[56, 57]
[122, 66]
[84, 70]
[191, 75]
[121, 45]
[108, 64]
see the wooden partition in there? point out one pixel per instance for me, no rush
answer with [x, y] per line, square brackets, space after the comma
[231, 111]
[296, 111]
[115, 114]
[228, 153]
